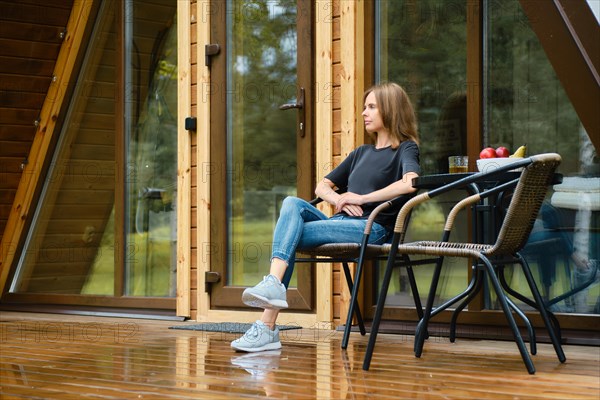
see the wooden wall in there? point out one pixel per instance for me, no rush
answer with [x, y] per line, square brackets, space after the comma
[336, 140]
[194, 218]
[30, 40]
[350, 73]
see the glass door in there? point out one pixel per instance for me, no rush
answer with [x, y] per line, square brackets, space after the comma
[423, 47]
[261, 137]
[103, 232]
[150, 111]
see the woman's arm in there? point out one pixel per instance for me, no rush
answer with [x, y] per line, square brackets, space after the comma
[395, 189]
[403, 186]
[325, 191]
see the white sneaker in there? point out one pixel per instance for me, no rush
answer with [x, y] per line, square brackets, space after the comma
[258, 338]
[270, 293]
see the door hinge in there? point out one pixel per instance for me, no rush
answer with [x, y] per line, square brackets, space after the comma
[211, 49]
[210, 277]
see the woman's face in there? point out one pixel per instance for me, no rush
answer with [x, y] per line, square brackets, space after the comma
[373, 120]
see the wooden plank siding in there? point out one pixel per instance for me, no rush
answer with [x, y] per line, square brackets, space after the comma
[48, 356]
[199, 210]
[336, 139]
[30, 40]
[324, 28]
[184, 163]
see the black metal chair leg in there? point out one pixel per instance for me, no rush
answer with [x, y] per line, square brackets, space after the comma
[474, 287]
[356, 310]
[529, 302]
[422, 326]
[353, 308]
[354, 291]
[509, 317]
[415, 291]
[447, 304]
[519, 312]
[381, 302]
[538, 299]
[530, 330]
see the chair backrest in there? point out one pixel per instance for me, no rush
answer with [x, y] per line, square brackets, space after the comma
[525, 204]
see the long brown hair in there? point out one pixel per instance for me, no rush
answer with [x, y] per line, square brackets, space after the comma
[397, 112]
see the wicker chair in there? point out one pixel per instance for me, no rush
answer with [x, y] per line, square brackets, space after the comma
[346, 253]
[529, 192]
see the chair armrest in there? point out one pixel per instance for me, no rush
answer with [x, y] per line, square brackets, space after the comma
[315, 201]
[318, 200]
[461, 183]
[470, 180]
[423, 197]
[386, 204]
[403, 198]
[475, 198]
[406, 209]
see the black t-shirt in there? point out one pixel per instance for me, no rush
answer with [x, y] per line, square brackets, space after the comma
[367, 169]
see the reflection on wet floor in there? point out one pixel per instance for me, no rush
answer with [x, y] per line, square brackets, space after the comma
[76, 357]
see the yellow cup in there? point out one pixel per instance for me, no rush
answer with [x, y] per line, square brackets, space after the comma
[458, 164]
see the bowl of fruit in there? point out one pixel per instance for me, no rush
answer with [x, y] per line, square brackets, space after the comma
[490, 158]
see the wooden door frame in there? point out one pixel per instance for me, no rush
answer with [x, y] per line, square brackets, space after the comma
[221, 295]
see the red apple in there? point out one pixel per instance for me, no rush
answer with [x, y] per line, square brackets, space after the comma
[502, 152]
[488, 152]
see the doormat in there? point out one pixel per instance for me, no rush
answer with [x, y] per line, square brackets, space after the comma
[226, 327]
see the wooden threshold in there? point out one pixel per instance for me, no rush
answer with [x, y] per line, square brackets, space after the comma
[129, 313]
[53, 356]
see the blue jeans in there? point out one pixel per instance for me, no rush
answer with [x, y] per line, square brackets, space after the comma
[301, 226]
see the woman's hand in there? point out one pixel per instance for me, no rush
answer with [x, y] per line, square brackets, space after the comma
[352, 210]
[350, 203]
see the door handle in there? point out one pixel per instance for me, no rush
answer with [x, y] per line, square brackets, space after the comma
[299, 104]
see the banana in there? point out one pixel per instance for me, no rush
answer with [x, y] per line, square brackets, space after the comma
[520, 153]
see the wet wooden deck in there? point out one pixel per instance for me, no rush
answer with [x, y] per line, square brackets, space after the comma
[70, 357]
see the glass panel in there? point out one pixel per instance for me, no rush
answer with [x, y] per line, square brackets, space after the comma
[526, 104]
[151, 146]
[261, 140]
[595, 7]
[422, 46]
[64, 251]
[72, 246]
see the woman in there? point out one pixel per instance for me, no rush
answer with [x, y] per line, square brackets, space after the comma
[372, 174]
